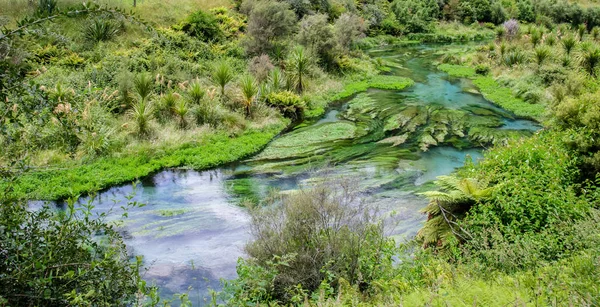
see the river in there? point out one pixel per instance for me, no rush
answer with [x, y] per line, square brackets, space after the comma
[193, 229]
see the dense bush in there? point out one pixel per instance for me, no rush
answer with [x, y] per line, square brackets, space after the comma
[416, 16]
[203, 26]
[316, 238]
[288, 103]
[269, 22]
[63, 258]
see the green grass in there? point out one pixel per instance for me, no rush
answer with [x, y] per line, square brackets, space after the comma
[458, 70]
[352, 87]
[212, 151]
[496, 93]
[380, 82]
[160, 12]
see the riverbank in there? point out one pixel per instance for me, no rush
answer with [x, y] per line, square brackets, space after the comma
[496, 93]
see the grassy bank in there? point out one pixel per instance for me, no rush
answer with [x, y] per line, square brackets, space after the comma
[210, 151]
[496, 93]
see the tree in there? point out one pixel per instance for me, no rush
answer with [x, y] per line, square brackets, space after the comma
[268, 22]
[416, 15]
[221, 75]
[249, 91]
[317, 35]
[300, 66]
[315, 238]
[348, 29]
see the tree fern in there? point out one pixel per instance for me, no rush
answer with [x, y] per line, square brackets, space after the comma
[447, 206]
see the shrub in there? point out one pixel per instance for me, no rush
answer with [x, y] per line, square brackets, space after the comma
[482, 69]
[417, 16]
[288, 103]
[511, 28]
[195, 92]
[142, 113]
[268, 23]
[98, 30]
[143, 86]
[317, 237]
[203, 26]
[300, 67]
[542, 54]
[55, 258]
[317, 35]
[589, 59]
[569, 42]
[515, 57]
[348, 29]
[260, 67]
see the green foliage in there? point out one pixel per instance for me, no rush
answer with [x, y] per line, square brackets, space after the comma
[181, 110]
[315, 239]
[221, 75]
[196, 92]
[203, 26]
[384, 82]
[503, 97]
[249, 90]
[569, 43]
[57, 258]
[515, 57]
[142, 113]
[589, 59]
[542, 54]
[317, 35]
[458, 70]
[416, 16]
[300, 67]
[211, 151]
[99, 30]
[482, 70]
[288, 103]
[143, 86]
[449, 206]
[269, 22]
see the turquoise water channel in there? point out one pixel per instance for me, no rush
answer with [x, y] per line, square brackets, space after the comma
[193, 230]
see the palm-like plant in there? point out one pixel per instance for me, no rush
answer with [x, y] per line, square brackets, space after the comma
[595, 33]
[300, 64]
[569, 43]
[181, 110]
[542, 54]
[581, 31]
[536, 37]
[142, 113]
[100, 30]
[249, 91]
[550, 39]
[196, 93]
[590, 60]
[143, 86]
[445, 207]
[276, 79]
[221, 75]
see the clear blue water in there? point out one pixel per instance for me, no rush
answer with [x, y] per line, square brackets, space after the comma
[192, 230]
